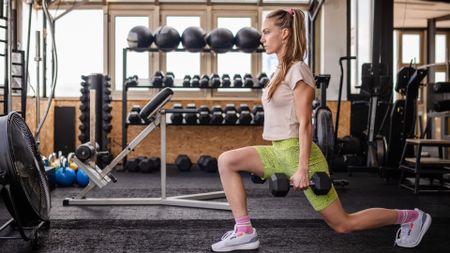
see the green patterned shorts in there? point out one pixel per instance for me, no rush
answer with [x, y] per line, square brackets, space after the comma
[283, 156]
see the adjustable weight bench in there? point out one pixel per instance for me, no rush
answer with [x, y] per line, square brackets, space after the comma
[154, 113]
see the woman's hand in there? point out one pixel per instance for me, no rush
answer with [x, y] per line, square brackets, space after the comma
[300, 179]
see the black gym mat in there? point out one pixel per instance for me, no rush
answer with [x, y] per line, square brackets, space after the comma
[196, 236]
[284, 224]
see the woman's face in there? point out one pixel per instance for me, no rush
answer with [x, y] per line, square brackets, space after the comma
[272, 37]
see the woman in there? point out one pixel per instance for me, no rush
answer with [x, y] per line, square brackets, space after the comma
[287, 104]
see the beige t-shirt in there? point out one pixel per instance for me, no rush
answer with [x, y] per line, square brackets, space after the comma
[280, 119]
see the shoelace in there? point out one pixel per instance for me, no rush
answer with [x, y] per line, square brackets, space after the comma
[227, 234]
[403, 230]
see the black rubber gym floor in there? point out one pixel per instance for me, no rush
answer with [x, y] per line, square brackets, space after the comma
[284, 224]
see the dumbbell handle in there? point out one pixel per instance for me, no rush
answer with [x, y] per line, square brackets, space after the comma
[181, 111]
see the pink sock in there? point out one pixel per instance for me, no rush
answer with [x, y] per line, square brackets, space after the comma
[243, 224]
[406, 216]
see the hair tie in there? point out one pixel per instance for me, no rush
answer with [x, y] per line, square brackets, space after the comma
[291, 12]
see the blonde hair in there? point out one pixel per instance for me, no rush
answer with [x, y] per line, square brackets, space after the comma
[294, 21]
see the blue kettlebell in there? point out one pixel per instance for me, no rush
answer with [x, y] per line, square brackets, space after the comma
[65, 176]
[82, 178]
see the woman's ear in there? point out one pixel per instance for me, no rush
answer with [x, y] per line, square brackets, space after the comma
[284, 34]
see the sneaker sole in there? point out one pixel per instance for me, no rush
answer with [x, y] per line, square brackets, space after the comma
[422, 233]
[248, 246]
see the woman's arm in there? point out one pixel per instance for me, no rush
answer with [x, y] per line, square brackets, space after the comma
[303, 97]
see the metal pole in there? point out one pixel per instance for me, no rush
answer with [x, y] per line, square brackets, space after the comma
[163, 154]
[9, 55]
[37, 59]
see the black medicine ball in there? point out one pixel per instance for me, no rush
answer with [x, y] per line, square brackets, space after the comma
[139, 37]
[220, 40]
[248, 39]
[193, 39]
[166, 38]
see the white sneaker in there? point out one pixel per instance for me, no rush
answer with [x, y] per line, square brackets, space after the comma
[236, 241]
[412, 233]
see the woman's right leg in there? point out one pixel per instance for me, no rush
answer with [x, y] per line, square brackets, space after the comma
[230, 164]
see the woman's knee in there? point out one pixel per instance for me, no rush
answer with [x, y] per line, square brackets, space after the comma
[342, 228]
[226, 162]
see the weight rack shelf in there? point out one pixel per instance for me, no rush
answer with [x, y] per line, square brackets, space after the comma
[204, 50]
[147, 85]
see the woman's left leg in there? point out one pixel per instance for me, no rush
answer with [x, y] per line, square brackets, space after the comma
[342, 222]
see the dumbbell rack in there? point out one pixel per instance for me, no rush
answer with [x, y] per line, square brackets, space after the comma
[126, 86]
[100, 178]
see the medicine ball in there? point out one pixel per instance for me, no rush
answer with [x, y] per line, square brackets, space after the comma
[193, 39]
[139, 37]
[248, 39]
[167, 38]
[220, 40]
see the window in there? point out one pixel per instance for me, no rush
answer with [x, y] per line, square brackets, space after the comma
[411, 48]
[137, 63]
[183, 63]
[80, 51]
[234, 62]
[361, 39]
[440, 47]
[440, 77]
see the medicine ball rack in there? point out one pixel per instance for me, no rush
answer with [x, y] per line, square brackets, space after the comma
[154, 113]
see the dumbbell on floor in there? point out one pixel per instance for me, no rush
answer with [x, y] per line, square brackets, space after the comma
[320, 184]
[183, 163]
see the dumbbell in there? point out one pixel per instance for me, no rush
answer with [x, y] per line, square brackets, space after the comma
[132, 81]
[107, 127]
[203, 115]
[191, 118]
[107, 91]
[84, 98]
[230, 114]
[214, 81]
[133, 117]
[168, 79]
[84, 107]
[195, 81]
[83, 127]
[148, 165]
[257, 179]
[216, 115]
[183, 163]
[107, 108]
[157, 80]
[133, 164]
[258, 115]
[107, 117]
[245, 117]
[84, 90]
[226, 81]
[187, 81]
[263, 80]
[248, 81]
[207, 163]
[204, 81]
[107, 98]
[84, 78]
[83, 137]
[320, 184]
[177, 117]
[237, 81]
[83, 117]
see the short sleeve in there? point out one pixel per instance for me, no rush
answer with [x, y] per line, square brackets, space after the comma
[299, 71]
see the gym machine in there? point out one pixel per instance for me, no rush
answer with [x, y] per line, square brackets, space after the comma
[86, 154]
